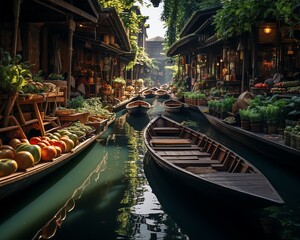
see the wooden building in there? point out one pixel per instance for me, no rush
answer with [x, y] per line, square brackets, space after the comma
[66, 37]
[204, 57]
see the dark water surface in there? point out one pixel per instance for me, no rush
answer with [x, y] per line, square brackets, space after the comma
[115, 191]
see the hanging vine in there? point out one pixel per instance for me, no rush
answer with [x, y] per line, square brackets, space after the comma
[176, 14]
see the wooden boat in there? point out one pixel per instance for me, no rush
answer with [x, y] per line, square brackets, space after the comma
[138, 107]
[173, 106]
[161, 93]
[149, 93]
[206, 166]
[271, 146]
[22, 179]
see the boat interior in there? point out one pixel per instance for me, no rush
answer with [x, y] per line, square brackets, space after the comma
[193, 151]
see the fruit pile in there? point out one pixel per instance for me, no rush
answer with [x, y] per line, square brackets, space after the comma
[292, 87]
[22, 154]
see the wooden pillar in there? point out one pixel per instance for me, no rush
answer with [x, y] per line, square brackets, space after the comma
[16, 12]
[44, 51]
[72, 26]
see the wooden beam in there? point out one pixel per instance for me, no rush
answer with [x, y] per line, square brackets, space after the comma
[74, 10]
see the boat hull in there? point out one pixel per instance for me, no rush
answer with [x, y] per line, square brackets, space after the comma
[18, 181]
[173, 106]
[272, 149]
[138, 107]
[23, 180]
[233, 184]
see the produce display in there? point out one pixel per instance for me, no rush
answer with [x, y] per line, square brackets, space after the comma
[261, 85]
[23, 154]
[291, 87]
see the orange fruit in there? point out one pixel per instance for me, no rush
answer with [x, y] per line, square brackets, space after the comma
[48, 153]
[58, 151]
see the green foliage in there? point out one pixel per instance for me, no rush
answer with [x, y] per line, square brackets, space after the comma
[255, 115]
[244, 114]
[176, 13]
[13, 72]
[226, 103]
[240, 16]
[76, 102]
[272, 114]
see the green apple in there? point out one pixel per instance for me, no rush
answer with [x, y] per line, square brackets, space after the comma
[7, 167]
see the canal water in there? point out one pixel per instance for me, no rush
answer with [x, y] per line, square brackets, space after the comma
[113, 190]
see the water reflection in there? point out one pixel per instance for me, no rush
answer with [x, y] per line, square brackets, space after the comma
[48, 231]
[140, 215]
[133, 199]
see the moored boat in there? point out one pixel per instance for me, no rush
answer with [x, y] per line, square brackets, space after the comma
[161, 93]
[21, 180]
[207, 167]
[149, 93]
[271, 146]
[173, 106]
[138, 107]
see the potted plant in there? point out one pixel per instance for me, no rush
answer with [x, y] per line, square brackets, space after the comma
[255, 119]
[272, 115]
[245, 121]
[201, 99]
[13, 76]
[226, 106]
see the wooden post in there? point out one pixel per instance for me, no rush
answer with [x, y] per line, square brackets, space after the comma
[72, 26]
[17, 6]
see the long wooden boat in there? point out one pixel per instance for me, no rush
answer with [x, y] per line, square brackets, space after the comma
[22, 179]
[161, 93]
[206, 166]
[149, 93]
[271, 146]
[138, 107]
[173, 106]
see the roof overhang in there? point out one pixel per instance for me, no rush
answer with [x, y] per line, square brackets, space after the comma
[100, 46]
[182, 44]
[50, 11]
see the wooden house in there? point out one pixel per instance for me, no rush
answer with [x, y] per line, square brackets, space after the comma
[232, 63]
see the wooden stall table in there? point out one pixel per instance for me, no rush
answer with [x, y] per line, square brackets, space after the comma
[65, 119]
[34, 100]
[13, 123]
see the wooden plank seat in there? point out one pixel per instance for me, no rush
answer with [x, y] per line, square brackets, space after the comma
[198, 162]
[182, 158]
[171, 141]
[176, 147]
[185, 152]
[166, 130]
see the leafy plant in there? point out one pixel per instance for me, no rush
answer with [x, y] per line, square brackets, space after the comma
[272, 113]
[13, 73]
[226, 103]
[244, 114]
[76, 102]
[255, 115]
